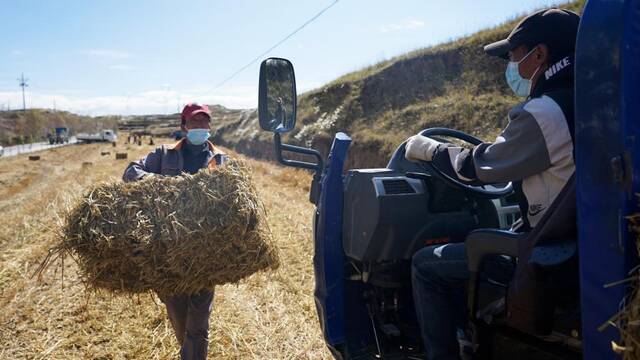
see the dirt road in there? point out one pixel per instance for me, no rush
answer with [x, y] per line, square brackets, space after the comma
[269, 316]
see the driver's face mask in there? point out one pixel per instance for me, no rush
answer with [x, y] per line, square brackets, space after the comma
[520, 86]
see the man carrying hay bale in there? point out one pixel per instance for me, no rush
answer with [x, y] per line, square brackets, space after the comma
[178, 236]
[189, 313]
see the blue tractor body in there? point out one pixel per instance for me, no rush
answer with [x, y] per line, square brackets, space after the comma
[328, 260]
[607, 162]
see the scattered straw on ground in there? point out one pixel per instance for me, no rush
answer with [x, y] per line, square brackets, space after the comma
[628, 320]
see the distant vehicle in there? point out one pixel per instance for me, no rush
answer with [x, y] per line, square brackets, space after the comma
[103, 135]
[60, 136]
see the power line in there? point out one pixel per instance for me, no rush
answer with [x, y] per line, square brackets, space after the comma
[23, 84]
[277, 44]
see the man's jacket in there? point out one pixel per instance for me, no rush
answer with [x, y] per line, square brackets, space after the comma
[168, 160]
[535, 150]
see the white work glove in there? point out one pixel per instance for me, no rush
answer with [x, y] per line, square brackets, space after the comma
[420, 148]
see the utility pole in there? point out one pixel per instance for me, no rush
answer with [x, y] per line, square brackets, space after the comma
[23, 84]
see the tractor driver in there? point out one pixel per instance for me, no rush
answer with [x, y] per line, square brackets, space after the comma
[534, 151]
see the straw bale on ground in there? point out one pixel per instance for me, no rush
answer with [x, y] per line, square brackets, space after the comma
[169, 234]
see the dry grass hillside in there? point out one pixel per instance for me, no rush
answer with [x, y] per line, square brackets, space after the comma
[452, 85]
[268, 316]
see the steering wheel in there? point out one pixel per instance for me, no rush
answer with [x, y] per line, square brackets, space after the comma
[486, 191]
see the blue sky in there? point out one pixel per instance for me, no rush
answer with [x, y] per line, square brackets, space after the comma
[138, 57]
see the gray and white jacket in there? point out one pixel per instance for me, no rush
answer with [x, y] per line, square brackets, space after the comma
[535, 150]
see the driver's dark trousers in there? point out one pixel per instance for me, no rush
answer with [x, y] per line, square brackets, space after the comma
[439, 276]
[189, 315]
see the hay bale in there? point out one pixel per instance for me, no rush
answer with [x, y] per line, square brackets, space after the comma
[34, 157]
[120, 156]
[170, 234]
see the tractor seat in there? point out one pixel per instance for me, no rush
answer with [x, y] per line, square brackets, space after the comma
[545, 285]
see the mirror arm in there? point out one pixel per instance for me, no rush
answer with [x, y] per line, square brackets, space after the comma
[300, 150]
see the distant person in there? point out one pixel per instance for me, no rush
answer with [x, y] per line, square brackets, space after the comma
[535, 151]
[177, 134]
[280, 115]
[189, 314]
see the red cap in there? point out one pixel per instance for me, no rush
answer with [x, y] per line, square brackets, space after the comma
[190, 110]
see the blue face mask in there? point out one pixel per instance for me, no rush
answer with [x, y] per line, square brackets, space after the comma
[520, 86]
[198, 136]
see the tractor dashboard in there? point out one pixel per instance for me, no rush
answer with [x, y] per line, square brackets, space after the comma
[388, 215]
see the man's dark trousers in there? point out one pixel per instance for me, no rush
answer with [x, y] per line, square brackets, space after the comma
[439, 275]
[189, 315]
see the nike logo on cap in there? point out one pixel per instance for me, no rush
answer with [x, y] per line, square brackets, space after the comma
[557, 67]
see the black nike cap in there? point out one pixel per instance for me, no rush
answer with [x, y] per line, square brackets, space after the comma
[555, 28]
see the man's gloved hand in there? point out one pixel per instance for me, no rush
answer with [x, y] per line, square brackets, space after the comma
[420, 148]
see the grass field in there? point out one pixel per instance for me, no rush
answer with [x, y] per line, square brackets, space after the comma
[268, 316]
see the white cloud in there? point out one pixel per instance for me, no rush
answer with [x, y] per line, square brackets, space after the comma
[108, 54]
[146, 102]
[409, 24]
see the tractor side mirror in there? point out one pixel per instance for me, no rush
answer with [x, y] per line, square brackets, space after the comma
[277, 96]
